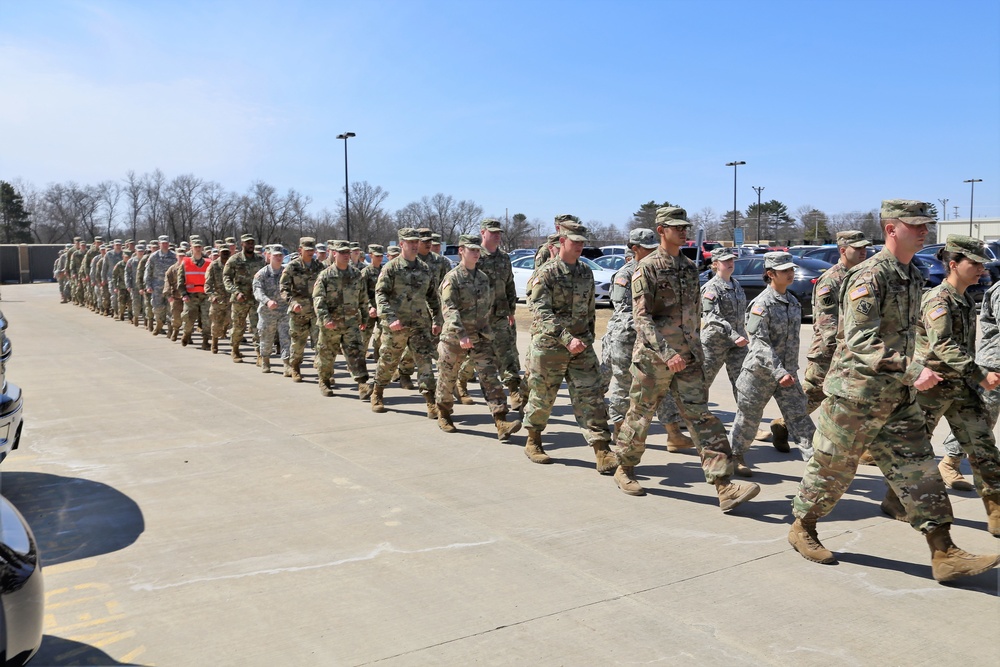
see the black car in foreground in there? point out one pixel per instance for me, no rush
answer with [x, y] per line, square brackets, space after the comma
[22, 590]
[749, 272]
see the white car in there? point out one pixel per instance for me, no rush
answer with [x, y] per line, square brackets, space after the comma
[11, 402]
[524, 266]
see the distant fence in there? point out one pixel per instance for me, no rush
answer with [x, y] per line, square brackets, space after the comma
[25, 263]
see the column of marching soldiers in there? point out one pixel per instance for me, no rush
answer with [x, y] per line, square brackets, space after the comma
[887, 360]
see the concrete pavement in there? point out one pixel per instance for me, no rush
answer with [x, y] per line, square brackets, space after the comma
[192, 511]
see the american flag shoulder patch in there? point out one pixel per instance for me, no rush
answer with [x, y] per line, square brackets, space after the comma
[937, 312]
[859, 291]
[757, 309]
[825, 289]
[710, 295]
[622, 281]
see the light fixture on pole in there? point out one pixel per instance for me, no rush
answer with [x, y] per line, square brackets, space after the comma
[972, 198]
[734, 165]
[347, 196]
[758, 191]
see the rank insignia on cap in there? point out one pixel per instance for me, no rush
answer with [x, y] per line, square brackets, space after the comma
[937, 312]
[825, 289]
[757, 309]
[858, 292]
[621, 281]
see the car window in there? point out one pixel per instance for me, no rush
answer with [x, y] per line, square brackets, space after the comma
[752, 266]
[526, 262]
[611, 262]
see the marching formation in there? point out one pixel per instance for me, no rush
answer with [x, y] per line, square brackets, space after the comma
[887, 360]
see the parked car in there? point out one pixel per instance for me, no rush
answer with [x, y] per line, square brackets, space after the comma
[611, 262]
[614, 249]
[800, 250]
[523, 267]
[450, 252]
[830, 253]
[700, 256]
[22, 588]
[11, 402]
[992, 253]
[749, 271]
[521, 252]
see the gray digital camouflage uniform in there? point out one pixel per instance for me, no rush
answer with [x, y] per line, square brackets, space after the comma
[723, 312]
[154, 279]
[271, 323]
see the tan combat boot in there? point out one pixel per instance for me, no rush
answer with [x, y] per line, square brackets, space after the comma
[779, 433]
[237, 357]
[406, 382]
[677, 441]
[287, 372]
[951, 473]
[948, 562]
[892, 506]
[215, 344]
[204, 342]
[505, 429]
[734, 494]
[432, 411]
[444, 419]
[517, 395]
[763, 435]
[533, 449]
[260, 359]
[296, 373]
[324, 387]
[992, 515]
[740, 466]
[364, 391]
[265, 365]
[186, 340]
[173, 333]
[626, 481]
[462, 393]
[802, 536]
[607, 462]
[377, 404]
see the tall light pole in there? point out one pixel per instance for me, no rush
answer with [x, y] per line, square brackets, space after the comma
[758, 191]
[972, 198]
[734, 165]
[944, 207]
[347, 189]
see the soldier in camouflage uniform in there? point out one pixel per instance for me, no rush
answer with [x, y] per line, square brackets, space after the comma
[771, 367]
[62, 273]
[237, 276]
[218, 298]
[723, 328]
[410, 312]
[340, 298]
[440, 267]
[140, 280]
[668, 358]
[467, 305]
[191, 280]
[111, 259]
[119, 288]
[871, 402]
[562, 348]
[619, 341]
[87, 291]
[156, 269]
[297, 282]
[272, 310]
[94, 275]
[369, 314]
[132, 283]
[74, 267]
[173, 296]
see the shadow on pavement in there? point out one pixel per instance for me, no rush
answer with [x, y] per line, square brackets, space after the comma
[59, 651]
[73, 518]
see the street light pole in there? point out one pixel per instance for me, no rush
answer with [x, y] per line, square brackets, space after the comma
[758, 191]
[734, 165]
[347, 188]
[972, 198]
[944, 207]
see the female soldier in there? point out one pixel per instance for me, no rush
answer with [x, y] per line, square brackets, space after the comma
[771, 366]
[723, 305]
[946, 344]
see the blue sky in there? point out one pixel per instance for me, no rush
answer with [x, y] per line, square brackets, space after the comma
[537, 107]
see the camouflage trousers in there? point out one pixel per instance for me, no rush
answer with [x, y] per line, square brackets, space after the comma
[371, 334]
[123, 303]
[416, 340]
[972, 420]
[895, 433]
[197, 309]
[812, 384]
[616, 370]
[176, 313]
[77, 291]
[332, 341]
[219, 313]
[64, 288]
[243, 310]
[754, 389]
[300, 325]
[504, 344]
[273, 324]
[719, 352]
[147, 306]
[548, 365]
[651, 381]
[452, 358]
[137, 308]
[109, 299]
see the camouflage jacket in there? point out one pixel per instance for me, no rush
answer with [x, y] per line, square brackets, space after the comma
[118, 277]
[156, 268]
[723, 311]
[370, 275]
[238, 275]
[170, 282]
[497, 268]
[542, 255]
[110, 261]
[826, 314]
[88, 260]
[131, 265]
[440, 266]
[408, 292]
[621, 329]
[876, 336]
[773, 322]
[946, 335]
[467, 305]
[666, 308]
[215, 287]
[989, 351]
[267, 287]
[297, 282]
[96, 269]
[140, 272]
[562, 297]
[340, 297]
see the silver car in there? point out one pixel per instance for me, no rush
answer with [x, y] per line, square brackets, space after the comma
[11, 403]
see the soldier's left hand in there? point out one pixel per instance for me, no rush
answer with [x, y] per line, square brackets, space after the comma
[435, 330]
[927, 380]
[741, 342]
[787, 381]
[510, 320]
[465, 343]
[576, 346]
[297, 308]
[991, 381]
[328, 325]
[676, 363]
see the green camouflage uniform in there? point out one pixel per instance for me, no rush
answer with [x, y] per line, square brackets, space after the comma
[156, 269]
[497, 268]
[119, 289]
[237, 276]
[140, 281]
[826, 308]
[297, 282]
[215, 288]
[173, 296]
[871, 401]
[340, 297]
[372, 332]
[723, 311]
[133, 285]
[439, 267]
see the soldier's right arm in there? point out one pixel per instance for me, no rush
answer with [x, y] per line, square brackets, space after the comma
[319, 297]
[643, 306]
[711, 312]
[383, 293]
[229, 275]
[258, 287]
[450, 308]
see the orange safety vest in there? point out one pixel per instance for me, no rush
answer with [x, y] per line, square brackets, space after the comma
[194, 275]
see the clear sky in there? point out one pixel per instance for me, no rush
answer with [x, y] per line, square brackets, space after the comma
[537, 107]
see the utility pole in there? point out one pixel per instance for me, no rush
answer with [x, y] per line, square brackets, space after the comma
[758, 190]
[972, 198]
[735, 165]
[944, 207]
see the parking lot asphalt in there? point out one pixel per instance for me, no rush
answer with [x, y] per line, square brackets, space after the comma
[193, 511]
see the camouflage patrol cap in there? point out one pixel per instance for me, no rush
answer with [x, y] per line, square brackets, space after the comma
[98, 239]
[566, 217]
[909, 211]
[574, 231]
[552, 239]
[127, 252]
[490, 225]
[409, 234]
[974, 249]
[142, 241]
[140, 247]
[341, 246]
[258, 248]
[214, 252]
[779, 261]
[163, 238]
[116, 242]
[672, 216]
[426, 234]
[307, 242]
[470, 241]
[127, 241]
[643, 237]
[247, 237]
[68, 245]
[354, 245]
[320, 247]
[224, 250]
[852, 238]
[436, 238]
[276, 249]
[722, 254]
[77, 239]
[185, 245]
[197, 243]
[330, 243]
[180, 252]
[375, 249]
[393, 250]
[218, 243]
[231, 240]
[104, 246]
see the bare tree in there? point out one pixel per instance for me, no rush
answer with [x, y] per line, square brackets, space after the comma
[442, 214]
[370, 223]
[154, 185]
[108, 194]
[135, 198]
[219, 208]
[518, 232]
[182, 205]
[265, 214]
